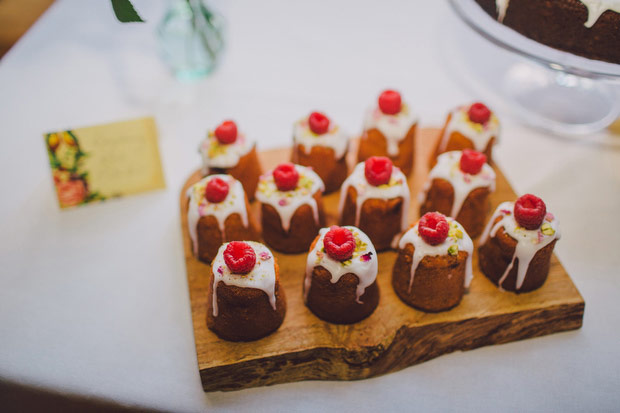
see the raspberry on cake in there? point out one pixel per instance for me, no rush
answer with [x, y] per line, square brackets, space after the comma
[218, 211]
[226, 132]
[286, 177]
[341, 276]
[389, 130]
[217, 190]
[434, 264]
[291, 207]
[375, 198]
[245, 300]
[459, 186]
[322, 145]
[472, 126]
[239, 257]
[227, 151]
[517, 244]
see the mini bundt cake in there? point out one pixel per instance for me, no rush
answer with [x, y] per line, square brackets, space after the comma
[517, 244]
[245, 300]
[226, 151]
[434, 264]
[218, 211]
[341, 276]
[375, 198]
[459, 186]
[389, 130]
[322, 145]
[291, 207]
[472, 126]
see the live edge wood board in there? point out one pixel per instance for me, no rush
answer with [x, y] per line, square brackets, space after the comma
[395, 336]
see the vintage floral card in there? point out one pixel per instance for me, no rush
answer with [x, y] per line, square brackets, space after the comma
[106, 161]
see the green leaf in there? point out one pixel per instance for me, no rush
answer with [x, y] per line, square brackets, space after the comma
[125, 13]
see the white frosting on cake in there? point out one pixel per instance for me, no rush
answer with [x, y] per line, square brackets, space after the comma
[479, 134]
[262, 276]
[334, 138]
[457, 240]
[597, 7]
[529, 242]
[501, 6]
[199, 206]
[448, 168]
[217, 155]
[393, 127]
[363, 263]
[287, 202]
[397, 187]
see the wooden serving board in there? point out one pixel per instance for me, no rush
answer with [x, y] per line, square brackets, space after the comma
[395, 336]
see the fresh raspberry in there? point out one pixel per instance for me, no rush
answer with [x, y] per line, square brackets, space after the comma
[378, 170]
[472, 161]
[239, 257]
[286, 176]
[216, 191]
[226, 133]
[319, 123]
[433, 228]
[390, 102]
[339, 243]
[479, 113]
[530, 211]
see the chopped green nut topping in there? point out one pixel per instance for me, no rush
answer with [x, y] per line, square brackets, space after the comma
[453, 250]
[547, 229]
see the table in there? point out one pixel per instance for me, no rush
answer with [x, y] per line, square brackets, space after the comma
[94, 301]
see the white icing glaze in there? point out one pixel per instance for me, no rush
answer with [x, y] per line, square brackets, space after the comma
[456, 237]
[334, 138]
[529, 242]
[448, 168]
[287, 202]
[397, 187]
[216, 155]
[597, 7]
[363, 263]
[393, 127]
[199, 206]
[262, 276]
[501, 6]
[479, 134]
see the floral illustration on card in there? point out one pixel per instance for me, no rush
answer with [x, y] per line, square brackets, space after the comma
[70, 179]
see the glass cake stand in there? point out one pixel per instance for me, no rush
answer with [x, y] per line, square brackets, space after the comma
[545, 87]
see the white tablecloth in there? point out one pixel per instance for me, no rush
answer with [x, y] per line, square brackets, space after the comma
[94, 301]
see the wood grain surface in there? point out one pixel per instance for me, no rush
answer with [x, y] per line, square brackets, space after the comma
[395, 336]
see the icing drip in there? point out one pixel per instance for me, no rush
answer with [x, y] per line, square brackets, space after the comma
[501, 6]
[529, 242]
[597, 7]
[287, 202]
[480, 135]
[448, 168]
[457, 240]
[363, 263]
[397, 187]
[216, 155]
[199, 206]
[335, 138]
[393, 127]
[262, 276]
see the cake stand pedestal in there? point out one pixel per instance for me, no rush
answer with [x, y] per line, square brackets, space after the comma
[553, 90]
